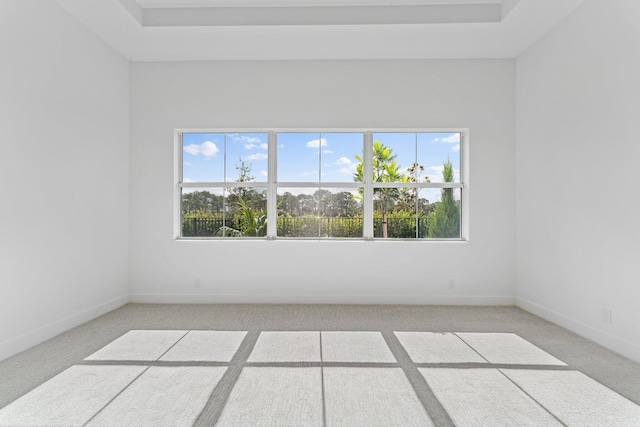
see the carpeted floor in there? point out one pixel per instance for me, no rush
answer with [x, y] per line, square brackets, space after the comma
[318, 365]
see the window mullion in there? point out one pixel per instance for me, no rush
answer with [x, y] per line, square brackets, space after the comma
[179, 177]
[272, 192]
[318, 207]
[367, 193]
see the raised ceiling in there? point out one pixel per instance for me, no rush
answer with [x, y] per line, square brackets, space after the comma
[173, 30]
[276, 3]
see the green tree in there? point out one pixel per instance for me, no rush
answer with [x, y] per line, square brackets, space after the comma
[344, 205]
[323, 202]
[248, 194]
[202, 201]
[444, 221]
[288, 204]
[308, 204]
[385, 169]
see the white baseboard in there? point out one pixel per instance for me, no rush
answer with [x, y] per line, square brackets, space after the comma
[319, 299]
[30, 339]
[612, 342]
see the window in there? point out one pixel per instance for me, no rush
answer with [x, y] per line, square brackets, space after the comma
[224, 184]
[316, 192]
[416, 185]
[303, 184]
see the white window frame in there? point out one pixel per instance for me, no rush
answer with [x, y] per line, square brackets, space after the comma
[368, 185]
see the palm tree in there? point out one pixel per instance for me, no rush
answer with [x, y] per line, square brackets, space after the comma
[385, 169]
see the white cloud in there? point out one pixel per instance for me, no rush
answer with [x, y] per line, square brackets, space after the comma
[192, 149]
[207, 149]
[264, 173]
[435, 174]
[317, 143]
[435, 171]
[451, 139]
[327, 152]
[455, 148]
[256, 156]
[250, 146]
[349, 167]
[264, 146]
[346, 171]
[245, 139]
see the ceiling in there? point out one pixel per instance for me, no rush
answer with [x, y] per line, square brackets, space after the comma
[175, 30]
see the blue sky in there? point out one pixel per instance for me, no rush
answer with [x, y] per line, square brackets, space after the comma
[310, 157]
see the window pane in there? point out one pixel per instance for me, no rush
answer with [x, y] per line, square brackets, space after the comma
[340, 212]
[202, 157]
[318, 213]
[218, 212]
[219, 157]
[442, 210]
[299, 156]
[435, 150]
[433, 214]
[338, 157]
[399, 157]
[202, 211]
[394, 213]
[297, 212]
[319, 157]
[246, 212]
[246, 157]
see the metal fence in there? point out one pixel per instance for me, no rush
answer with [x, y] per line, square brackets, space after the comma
[337, 227]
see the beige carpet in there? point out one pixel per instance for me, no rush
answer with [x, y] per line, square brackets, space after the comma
[243, 365]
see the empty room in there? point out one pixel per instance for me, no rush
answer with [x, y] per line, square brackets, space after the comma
[319, 213]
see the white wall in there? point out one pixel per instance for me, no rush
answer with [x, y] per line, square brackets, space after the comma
[64, 115]
[578, 210]
[331, 94]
